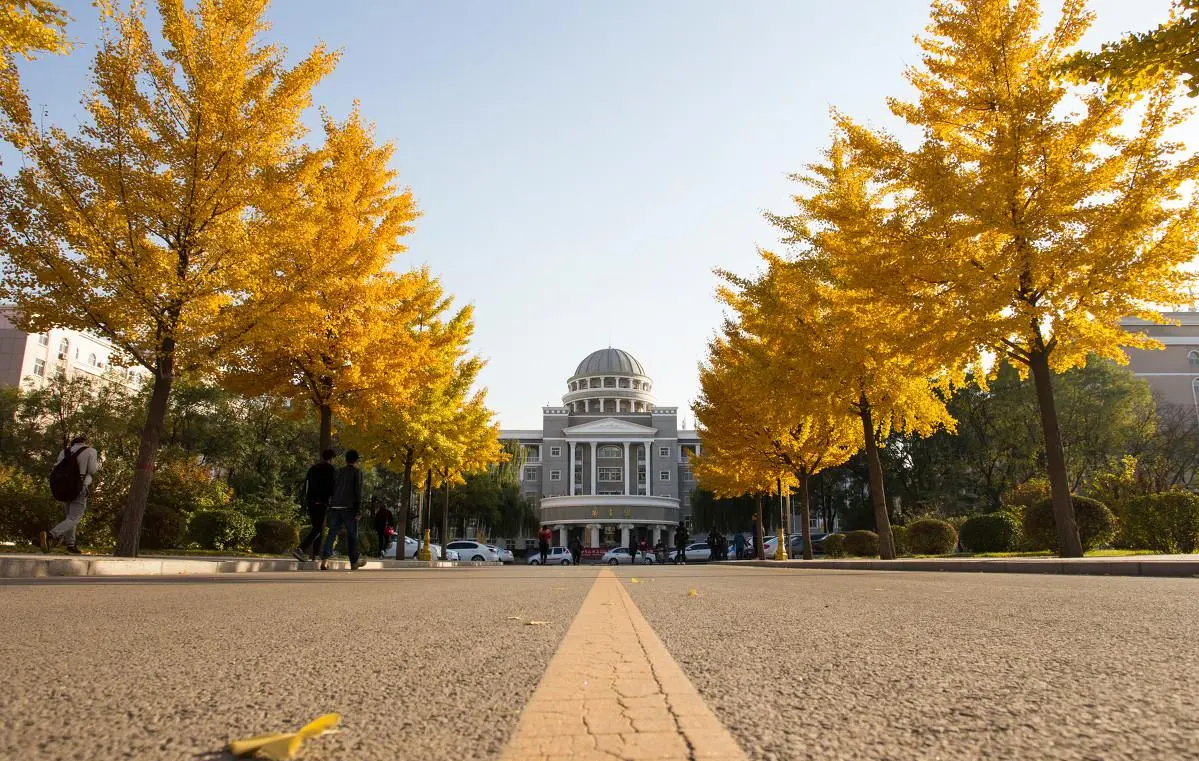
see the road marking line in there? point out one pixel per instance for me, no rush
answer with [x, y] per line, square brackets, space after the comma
[613, 692]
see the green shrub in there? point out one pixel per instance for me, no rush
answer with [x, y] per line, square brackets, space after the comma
[22, 516]
[1027, 494]
[993, 532]
[1096, 524]
[931, 536]
[834, 545]
[220, 530]
[1166, 522]
[900, 535]
[862, 542]
[274, 537]
[163, 527]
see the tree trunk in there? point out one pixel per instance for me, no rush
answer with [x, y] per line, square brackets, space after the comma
[147, 452]
[882, 522]
[1068, 542]
[426, 517]
[445, 518]
[759, 534]
[326, 414]
[805, 514]
[405, 505]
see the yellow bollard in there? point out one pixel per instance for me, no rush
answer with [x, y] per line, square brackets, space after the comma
[424, 553]
[780, 552]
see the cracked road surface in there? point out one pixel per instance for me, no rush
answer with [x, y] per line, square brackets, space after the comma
[758, 663]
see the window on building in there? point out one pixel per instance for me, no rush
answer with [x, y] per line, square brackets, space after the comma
[63, 347]
[664, 451]
[555, 475]
[43, 339]
[595, 382]
[610, 451]
[530, 474]
[687, 475]
[609, 383]
[91, 359]
[555, 451]
[664, 475]
[610, 474]
[641, 473]
[533, 453]
[1193, 358]
[39, 367]
[624, 383]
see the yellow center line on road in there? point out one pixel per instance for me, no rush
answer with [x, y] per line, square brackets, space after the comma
[612, 691]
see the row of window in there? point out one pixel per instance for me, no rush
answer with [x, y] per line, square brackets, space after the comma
[603, 452]
[609, 475]
[609, 382]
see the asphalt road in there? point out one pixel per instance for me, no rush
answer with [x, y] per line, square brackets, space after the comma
[428, 665]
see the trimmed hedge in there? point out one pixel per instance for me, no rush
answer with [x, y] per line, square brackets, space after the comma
[931, 536]
[861, 542]
[163, 528]
[834, 545]
[274, 537]
[1166, 522]
[900, 535]
[220, 530]
[22, 516]
[993, 532]
[1096, 524]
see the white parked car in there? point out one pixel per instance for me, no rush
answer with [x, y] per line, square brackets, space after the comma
[474, 551]
[505, 554]
[622, 556]
[411, 547]
[697, 552]
[556, 556]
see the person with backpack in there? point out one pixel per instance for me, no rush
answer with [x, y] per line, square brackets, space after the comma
[384, 523]
[343, 511]
[73, 471]
[317, 489]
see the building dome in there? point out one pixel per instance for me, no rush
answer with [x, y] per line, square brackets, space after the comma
[609, 361]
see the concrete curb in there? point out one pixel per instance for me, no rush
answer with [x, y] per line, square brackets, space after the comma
[1170, 566]
[43, 566]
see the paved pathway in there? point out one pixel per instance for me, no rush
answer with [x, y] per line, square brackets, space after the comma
[570, 663]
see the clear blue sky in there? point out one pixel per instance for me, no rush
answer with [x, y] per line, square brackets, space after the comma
[583, 165]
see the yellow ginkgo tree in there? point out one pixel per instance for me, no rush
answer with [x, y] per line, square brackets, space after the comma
[1039, 213]
[144, 225]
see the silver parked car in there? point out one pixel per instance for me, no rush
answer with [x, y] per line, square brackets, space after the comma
[622, 556]
[474, 551]
[505, 554]
[556, 556]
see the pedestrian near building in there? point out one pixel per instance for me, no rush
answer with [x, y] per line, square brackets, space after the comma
[316, 492]
[543, 543]
[70, 481]
[576, 551]
[681, 539]
[343, 511]
[739, 545]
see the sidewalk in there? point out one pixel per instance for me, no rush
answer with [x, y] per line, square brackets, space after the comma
[16, 566]
[1133, 565]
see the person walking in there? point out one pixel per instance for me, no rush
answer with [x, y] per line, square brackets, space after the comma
[384, 521]
[543, 544]
[74, 469]
[681, 540]
[343, 511]
[317, 489]
[576, 551]
[739, 545]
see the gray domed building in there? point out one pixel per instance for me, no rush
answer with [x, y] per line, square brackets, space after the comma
[609, 466]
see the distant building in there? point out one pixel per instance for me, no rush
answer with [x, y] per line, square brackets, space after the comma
[31, 359]
[609, 466]
[1172, 373]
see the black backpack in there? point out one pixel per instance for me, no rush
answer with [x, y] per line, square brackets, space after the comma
[66, 482]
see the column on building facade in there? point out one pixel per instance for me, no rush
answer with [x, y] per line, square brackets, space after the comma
[649, 492]
[571, 445]
[624, 535]
[562, 536]
[594, 470]
[657, 535]
[626, 446]
[593, 535]
[670, 537]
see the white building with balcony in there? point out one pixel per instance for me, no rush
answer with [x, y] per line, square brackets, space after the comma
[30, 360]
[609, 466]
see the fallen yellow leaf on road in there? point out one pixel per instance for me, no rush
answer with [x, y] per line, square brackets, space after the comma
[513, 618]
[536, 623]
[693, 593]
[635, 580]
[282, 746]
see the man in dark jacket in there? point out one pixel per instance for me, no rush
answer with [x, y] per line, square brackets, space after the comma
[318, 488]
[343, 511]
[383, 521]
